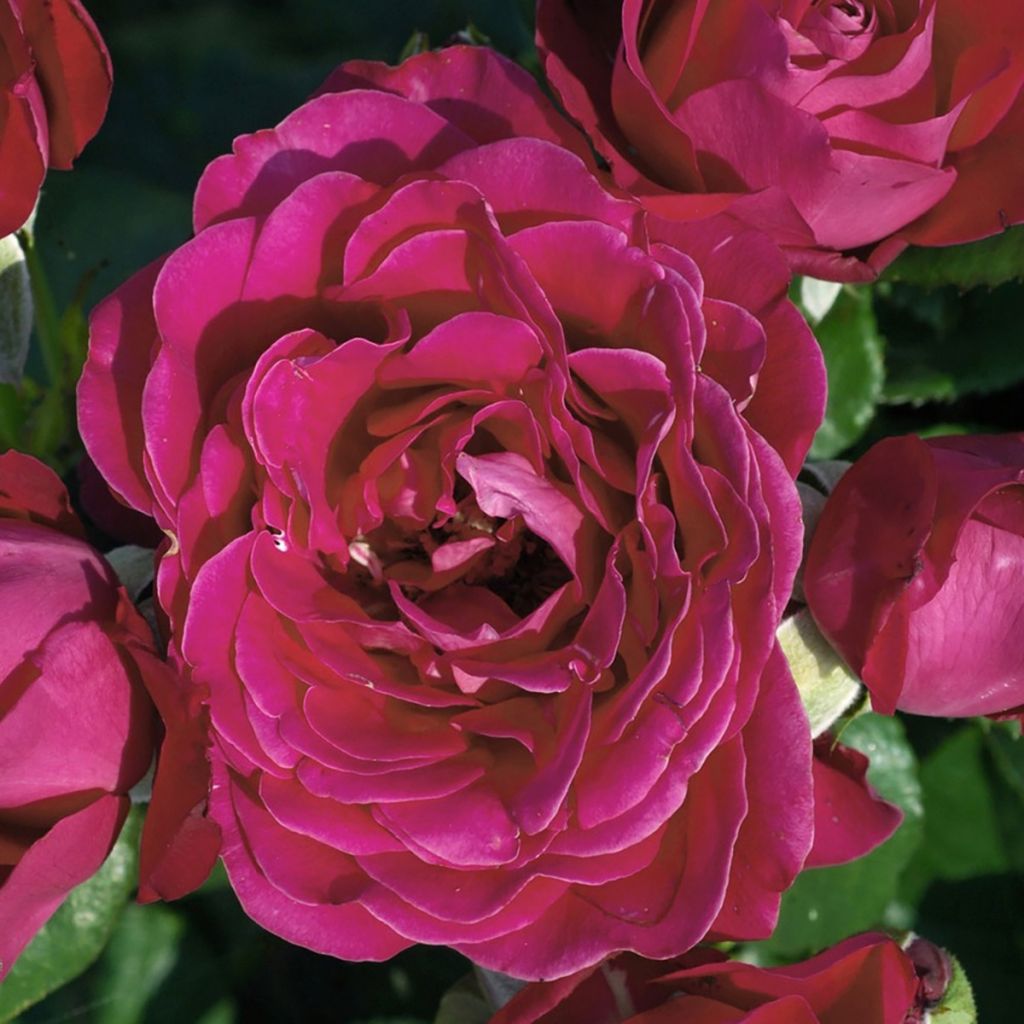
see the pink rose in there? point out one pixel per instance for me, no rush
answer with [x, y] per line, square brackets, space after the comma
[478, 483]
[845, 128]
[867, 979]
[916, 573]
[76, 728]
[54, 87]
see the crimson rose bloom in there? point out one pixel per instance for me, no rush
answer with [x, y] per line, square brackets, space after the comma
[54, 87]
[479, 487]
[916, 573]
[846, 128]
[867, 979]
[76, 729]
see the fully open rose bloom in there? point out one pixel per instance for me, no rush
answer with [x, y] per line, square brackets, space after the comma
[54, 86]
[916, 573]
[478, 485]
[846, 128]
[867, 979]
[76, 728]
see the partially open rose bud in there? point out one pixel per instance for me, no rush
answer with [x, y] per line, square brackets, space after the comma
[54, 86]
[916, 573]
[76, 727]
[933, 967]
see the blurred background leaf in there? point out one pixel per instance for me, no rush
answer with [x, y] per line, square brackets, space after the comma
[991, 261]
[15, 310]
[76, 934]
[853, 350]
[828, 904]
[946, 344]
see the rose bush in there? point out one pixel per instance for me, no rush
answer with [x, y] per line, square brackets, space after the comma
[846, 128]
[865, 978]
[478, 486]
[76, 727]
[915, 573]
[55, 81]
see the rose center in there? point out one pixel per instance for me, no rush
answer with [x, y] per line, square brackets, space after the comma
[849, 15]
[469, 548]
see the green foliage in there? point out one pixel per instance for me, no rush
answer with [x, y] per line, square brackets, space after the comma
[827, 687]
[15, 310]
[963, 885]
[943, 345]
[853, 350]
[829, 904]
[961, 829]
[76, 934]
[139, 958]
[991, 261]
[957, 1006]
[464, 1003]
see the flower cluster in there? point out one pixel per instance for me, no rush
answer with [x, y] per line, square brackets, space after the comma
[472, 440]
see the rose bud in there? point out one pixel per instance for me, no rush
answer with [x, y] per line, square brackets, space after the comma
[867, 978]
[916, 573]
[76, 727]
[55, 82]
[478, 480]
[845, 128]
[934, 969]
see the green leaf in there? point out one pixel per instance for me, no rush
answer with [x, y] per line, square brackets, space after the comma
[15, 310]
[853, 351]
[991, 261]
[1005, 757]
[1006, 746]
[464, 1003]
[498, 988]
[419, 42]
[816, 297]
[962, 837]
[12, 416]
[945, 344]
[957, 1006]
[161, 968]
[141, 955]
[471, 36]
[76, 934]
[827, 687]
[829, 904]
[962, 834]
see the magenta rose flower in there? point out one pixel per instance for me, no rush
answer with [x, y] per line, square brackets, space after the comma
[54, 87]
[76, 727]
[867, 978]
[916, 573]
[845, 129]
[478, 484]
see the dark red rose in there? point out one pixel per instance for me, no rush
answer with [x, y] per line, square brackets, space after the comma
[55, 82]
[479, 484]
[844, 128]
